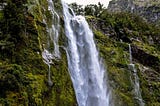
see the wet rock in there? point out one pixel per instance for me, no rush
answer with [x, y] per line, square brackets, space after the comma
[145, 58]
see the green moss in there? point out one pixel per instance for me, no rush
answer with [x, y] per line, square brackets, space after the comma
[150, 49]
[116, 58]
[1, 15]
[24, 75]
[36, 88]
[62, 92]
[89, 17]
[125, 100]
[12, 81]
[154, 104]
[27, 78]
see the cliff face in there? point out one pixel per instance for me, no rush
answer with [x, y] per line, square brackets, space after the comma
[113, 33]
[24, 75]
[148, 9]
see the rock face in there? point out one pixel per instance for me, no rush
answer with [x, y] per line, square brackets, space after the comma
[148, 59]
[148, 9]
[113, 32]
[23, 74]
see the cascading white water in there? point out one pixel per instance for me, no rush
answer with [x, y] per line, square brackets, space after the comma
[47, 58]
[130, 54]
[135, 80]
[53, 31]
[86, 71]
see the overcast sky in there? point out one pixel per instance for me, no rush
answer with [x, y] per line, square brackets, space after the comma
[85, 2]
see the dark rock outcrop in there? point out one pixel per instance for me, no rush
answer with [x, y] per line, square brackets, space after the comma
[145, 58]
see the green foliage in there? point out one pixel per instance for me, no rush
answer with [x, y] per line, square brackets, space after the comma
[127, 27]
[109, 30]
[1, 15]
[14, 20]
[78, 9]
[115, 59]
[12, 26]
[11, 78]
[21, 64]
[62, 91]
[94, 10]
[23, 74]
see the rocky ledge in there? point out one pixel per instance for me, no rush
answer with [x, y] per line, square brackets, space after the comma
[148, 9]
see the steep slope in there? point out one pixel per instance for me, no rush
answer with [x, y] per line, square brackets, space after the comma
[24, 75]
[148, 9]
[113, 33]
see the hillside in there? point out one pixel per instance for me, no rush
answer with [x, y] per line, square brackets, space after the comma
[24, 35]
[148, 9]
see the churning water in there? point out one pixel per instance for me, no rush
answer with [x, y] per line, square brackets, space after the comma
[85, 68]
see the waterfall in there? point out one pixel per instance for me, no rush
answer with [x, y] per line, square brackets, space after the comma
[53, 30]
[135, 80]
[86, 70]
[51, 49]
[47, 58]
[130, 54]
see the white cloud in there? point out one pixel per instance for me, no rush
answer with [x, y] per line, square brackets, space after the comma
[85, 2]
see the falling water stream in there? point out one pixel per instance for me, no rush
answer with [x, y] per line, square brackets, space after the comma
[53, 31]
[135, 80]
[51, 49]
[86, 70]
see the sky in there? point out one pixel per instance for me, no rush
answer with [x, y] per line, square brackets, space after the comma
[85, 2]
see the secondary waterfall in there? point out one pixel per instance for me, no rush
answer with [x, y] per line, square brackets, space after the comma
[51, 49]
[47, 58]
[135, 80]
[53, 31]
[86, 71]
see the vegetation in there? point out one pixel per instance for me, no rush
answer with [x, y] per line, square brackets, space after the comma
[113, 32]
[92, 9]
[23, 74]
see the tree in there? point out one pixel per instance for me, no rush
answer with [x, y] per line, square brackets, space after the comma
[89, 9]
[13, 24]
[94, 10]
[78, 9]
